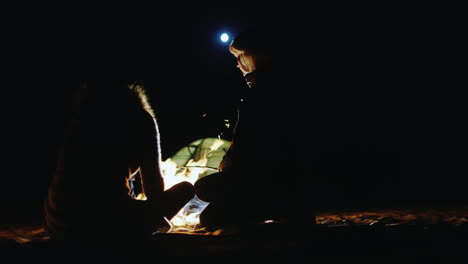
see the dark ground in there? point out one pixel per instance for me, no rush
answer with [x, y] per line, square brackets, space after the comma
[364, 244]
[424, 235]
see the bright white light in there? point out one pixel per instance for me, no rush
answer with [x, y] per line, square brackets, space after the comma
[224, 37]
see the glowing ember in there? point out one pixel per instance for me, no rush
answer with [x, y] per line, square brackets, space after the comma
[141, 196]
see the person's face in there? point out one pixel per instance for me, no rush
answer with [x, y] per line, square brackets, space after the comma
[242, 63]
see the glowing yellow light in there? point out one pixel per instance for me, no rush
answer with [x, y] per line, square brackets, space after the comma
[187, 219]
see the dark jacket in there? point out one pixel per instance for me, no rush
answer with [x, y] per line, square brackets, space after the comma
[264, 160]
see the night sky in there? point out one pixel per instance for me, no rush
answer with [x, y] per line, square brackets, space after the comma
[368, 80]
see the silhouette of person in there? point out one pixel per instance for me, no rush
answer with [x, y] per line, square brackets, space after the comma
[260, 175]
[111, 147]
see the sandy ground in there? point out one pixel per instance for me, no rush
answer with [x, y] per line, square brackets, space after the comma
[367, 236]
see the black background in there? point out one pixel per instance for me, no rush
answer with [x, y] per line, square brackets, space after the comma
[382, 117]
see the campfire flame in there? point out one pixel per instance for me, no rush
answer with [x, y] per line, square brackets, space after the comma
[187, 219]
[173, 174]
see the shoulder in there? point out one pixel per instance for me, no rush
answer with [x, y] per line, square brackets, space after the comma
[147, 121]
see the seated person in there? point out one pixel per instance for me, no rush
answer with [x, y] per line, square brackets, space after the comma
[260, 175]
[112, 139]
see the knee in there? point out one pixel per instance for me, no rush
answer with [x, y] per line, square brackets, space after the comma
[184, 190]
[205, 187]
[200, 188]
[187, 189]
